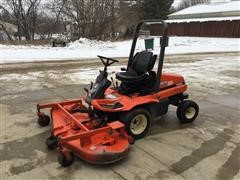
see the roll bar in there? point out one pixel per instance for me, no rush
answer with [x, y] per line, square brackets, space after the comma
[162, 50]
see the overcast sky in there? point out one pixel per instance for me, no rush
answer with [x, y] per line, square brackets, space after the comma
[176, 2]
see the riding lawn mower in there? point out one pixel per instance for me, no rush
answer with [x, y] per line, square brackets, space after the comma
[100, 127]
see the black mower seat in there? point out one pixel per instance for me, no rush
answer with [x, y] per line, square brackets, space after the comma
[130, 76]
[142, 63]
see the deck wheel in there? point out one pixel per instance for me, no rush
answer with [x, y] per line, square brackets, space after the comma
[64, 161]
[131, 140]
[51, 142]
[43, 120]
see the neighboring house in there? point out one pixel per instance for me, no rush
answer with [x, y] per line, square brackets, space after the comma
[5, 28]
[208, 20]
[214, 10]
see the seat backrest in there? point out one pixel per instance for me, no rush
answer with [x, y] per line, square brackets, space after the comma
[143, 62]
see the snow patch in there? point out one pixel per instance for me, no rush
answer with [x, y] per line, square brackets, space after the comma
[209, 8]
[87, 49]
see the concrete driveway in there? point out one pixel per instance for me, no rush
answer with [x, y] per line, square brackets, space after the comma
[209, 148]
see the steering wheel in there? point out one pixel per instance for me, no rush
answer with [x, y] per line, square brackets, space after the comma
[109, 61]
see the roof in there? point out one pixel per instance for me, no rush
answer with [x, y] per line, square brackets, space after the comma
[11, 28]
[230, 18]
[208, 10]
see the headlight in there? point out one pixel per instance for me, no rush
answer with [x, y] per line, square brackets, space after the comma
[112, 106]
[110, 96]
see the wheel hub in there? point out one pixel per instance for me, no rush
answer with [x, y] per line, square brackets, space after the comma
[138, 124]
[190, 112]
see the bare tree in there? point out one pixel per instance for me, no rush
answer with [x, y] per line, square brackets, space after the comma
[195, 2]
[51, 17]
[113, 18]
[92, 18]
[24, 13]
[129, 14]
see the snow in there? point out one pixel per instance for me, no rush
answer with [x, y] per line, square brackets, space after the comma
[176, 3]
[195, 73]
[230, 18]
[213, 68]
[210, 8]
[215, 74]
[87, 49]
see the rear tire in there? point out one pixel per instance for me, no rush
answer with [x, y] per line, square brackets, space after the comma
[137, 122]
[187, 111]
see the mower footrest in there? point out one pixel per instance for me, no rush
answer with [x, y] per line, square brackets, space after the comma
[116, 125]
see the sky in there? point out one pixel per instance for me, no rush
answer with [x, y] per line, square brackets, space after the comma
[176, 2]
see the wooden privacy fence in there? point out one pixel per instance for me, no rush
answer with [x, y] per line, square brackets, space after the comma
[201, 29]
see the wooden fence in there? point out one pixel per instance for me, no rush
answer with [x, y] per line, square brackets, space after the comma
[202, 29]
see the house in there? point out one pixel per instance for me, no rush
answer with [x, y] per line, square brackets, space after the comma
[5, 28]
[213, 10]
[207, 20]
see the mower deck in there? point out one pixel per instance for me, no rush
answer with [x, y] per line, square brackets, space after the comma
[78, 133]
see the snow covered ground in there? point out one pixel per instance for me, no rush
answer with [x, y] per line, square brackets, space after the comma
[215, 73]
[220, 72]
[84, 49]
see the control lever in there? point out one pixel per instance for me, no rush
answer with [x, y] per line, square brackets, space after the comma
[85, 89]
[91, 86]
[113, 82]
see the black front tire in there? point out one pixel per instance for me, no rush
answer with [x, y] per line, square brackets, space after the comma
[129, 118]
[43, 120]
[187, 111]
[63, 161]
